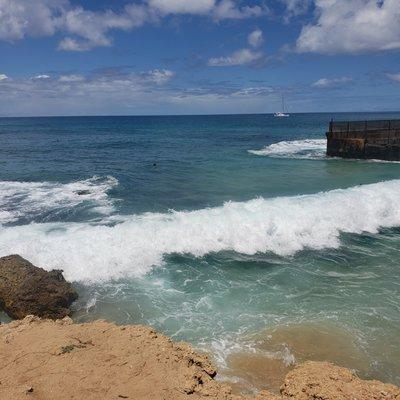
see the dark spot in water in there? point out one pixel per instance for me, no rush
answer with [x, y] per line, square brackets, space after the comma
[82, 192]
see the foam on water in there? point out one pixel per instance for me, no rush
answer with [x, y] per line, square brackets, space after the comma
[307, 148]
[37, 200]
[282, 225]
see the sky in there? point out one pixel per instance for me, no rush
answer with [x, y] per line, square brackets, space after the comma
[151, 57]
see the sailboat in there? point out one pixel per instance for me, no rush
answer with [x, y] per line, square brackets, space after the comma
[282, 113]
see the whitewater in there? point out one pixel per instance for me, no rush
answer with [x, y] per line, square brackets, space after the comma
[301, 149]
[121, 246]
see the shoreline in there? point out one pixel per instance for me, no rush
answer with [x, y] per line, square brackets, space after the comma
[281, 357]
[46, 359]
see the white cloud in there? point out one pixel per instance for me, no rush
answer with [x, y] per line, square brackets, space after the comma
[255, 38]
[295, 8]
[328, 83]
[43, 76]
[160, 77]
[71, 78]
[93, 27]
[239, 57]
[20, 18]
[182, 6]
[85, 29]
[394, 77]
[69, 44]
[3, 77]
[344, 26]
[227, 9]
[254, 91]
[244, 56]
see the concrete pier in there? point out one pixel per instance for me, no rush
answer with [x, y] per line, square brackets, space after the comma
[364, 139]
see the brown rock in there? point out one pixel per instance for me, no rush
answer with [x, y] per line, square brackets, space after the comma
[101, 361]
[29, 290]
[323, 380]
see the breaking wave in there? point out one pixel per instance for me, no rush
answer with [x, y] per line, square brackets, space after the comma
[307, 148]
[282, 225]
[33, 201]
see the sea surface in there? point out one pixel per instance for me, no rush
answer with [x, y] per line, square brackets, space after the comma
[234, 233]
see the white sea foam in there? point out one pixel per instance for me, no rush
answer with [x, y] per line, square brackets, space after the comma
[31, 200]
[307, 148]
[282, 225]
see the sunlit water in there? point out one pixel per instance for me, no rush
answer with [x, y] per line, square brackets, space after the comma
[234, 233]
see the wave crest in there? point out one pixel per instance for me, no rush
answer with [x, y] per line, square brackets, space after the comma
[282, 225]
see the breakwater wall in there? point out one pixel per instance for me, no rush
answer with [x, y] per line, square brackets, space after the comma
[364, 139]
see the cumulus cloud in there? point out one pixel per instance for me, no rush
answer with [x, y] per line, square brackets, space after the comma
[355, 26]
[255, 38]
[246, 56]
[20, 18]
[328, 83]
[394, 77]
[93, 27]
[85, 29]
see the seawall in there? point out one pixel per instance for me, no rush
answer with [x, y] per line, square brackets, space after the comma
[364, 139]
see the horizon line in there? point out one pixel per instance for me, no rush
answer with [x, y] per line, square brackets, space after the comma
[194, 115]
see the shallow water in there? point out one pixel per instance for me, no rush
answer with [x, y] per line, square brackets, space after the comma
[270, 355]
[214, 230]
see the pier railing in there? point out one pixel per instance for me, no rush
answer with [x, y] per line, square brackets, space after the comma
[364, 126]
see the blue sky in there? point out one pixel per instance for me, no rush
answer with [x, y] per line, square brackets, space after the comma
[65, 57]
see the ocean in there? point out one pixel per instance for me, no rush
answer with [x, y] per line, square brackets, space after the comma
[234, 233]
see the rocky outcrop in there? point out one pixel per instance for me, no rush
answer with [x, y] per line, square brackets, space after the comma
[43, 359]
[323, 380]
[98, 360]
[29, 290]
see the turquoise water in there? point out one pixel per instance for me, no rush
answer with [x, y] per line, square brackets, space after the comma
[210, 228]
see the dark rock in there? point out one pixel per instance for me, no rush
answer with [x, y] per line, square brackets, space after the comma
[29, 290]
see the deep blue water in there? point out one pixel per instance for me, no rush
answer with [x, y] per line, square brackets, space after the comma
[198, 225]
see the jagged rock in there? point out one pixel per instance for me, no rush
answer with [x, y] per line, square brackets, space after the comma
[29, 290]
[323, 380]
